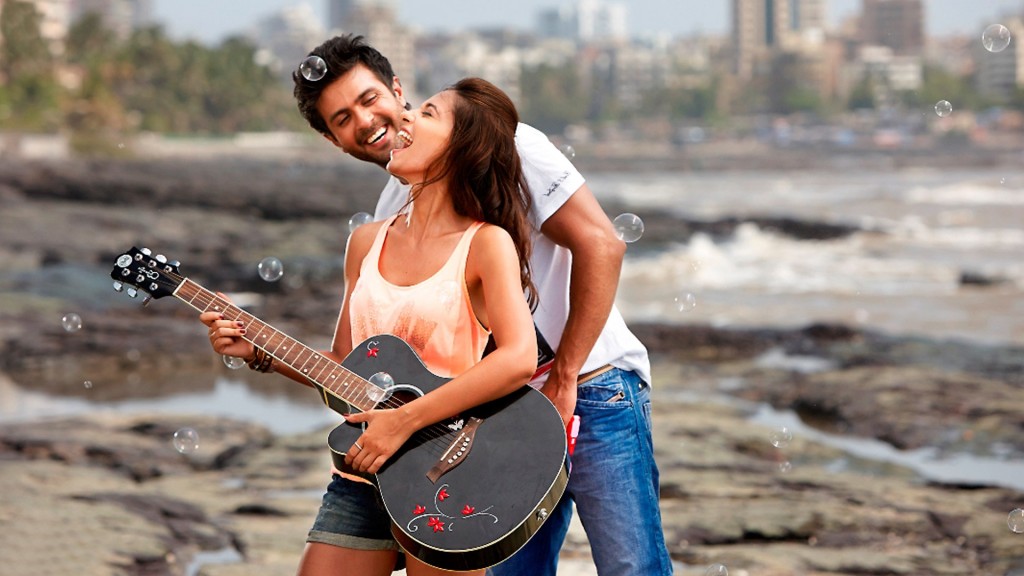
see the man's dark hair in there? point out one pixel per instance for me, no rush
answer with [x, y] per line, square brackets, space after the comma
[341, 54]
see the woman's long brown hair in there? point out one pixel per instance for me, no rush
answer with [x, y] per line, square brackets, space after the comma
[482, 167]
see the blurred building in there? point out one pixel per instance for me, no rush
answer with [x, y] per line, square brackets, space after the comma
[283, 38]
[585, 21]
[377, 21]
[761, 28]
[895, 24]
[884, 72]
[119, 16]
[999, 74]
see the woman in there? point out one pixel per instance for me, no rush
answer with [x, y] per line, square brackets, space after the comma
[444, 274]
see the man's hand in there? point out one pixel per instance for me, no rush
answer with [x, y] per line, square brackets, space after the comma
[561, 390]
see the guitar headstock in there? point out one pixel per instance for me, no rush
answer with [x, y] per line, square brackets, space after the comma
[137, 269]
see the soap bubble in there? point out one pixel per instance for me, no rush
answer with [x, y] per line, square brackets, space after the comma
[186, 440]
[716, 570]
[313, 68]
[357, 220]
[87, 384]
[780, 437]
[785, 466]
[995, 38]
[71, 322]
[233, 362]
[943, 108]
[628, 227]
[271, 269]
[569, 151]
[1016, 520]
[382, 384]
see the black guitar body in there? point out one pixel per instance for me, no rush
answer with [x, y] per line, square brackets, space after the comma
[468, 492]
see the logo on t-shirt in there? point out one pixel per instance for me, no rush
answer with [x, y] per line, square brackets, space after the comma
[554, 185]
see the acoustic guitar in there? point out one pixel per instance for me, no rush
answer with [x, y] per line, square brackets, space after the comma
[463, 494]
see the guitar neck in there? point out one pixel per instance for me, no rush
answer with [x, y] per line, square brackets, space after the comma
[326, 374]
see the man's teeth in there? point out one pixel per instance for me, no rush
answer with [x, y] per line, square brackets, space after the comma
[377, 135]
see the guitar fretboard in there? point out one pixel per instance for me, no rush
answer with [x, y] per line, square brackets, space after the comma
[322, 371]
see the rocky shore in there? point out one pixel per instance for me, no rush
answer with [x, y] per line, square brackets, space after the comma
[107, 493]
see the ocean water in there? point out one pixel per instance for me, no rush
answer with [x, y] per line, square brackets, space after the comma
[919, 234]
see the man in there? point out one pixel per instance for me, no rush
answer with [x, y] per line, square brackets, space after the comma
[600, 371]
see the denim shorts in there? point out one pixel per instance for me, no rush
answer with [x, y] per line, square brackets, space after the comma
[352, 515]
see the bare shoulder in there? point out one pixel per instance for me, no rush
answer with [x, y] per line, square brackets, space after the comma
[491, 239]
[492, 246]
[360, 240]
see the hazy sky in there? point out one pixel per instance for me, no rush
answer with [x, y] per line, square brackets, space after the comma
[211, 21]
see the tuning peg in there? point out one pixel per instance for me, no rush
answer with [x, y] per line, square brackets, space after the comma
[131, 292]
[161, 258]
[174, 263]
[146, 251]
[118, 286]
[146, 300]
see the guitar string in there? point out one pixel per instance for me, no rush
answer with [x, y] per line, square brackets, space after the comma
[436, 433]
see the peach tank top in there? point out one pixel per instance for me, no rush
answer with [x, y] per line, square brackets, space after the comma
[435, 316]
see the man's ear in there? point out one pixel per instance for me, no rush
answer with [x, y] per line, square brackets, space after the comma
[396, 87]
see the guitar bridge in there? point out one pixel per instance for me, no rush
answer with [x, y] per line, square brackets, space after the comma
[457, 450]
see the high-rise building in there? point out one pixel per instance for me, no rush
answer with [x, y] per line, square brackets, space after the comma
[585, 21]
[377, 21]
[761, 27]
[341, 12]
[896, 24]
[283, 37]
[999, 74]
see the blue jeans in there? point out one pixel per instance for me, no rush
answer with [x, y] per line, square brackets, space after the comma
[614, 484]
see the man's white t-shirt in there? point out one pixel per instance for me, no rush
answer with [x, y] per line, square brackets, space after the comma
[552, 180]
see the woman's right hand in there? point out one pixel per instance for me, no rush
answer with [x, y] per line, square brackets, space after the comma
[226, 336]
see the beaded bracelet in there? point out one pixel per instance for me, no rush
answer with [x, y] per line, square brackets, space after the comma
[262, 362]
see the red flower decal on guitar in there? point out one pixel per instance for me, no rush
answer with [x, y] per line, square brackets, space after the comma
[436, 524]
[440, 520]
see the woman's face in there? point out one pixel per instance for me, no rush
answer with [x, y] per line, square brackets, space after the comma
[426, 131]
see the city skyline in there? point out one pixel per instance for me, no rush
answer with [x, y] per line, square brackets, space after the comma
[212, 21]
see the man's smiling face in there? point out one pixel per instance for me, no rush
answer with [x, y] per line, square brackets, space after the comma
[363, 114]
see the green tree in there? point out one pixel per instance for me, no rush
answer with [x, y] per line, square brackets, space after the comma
[552, 97]
[94, 114]
[697, 102]
[30, 94]
[863, 94]
[789, 85]
[940, 84]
